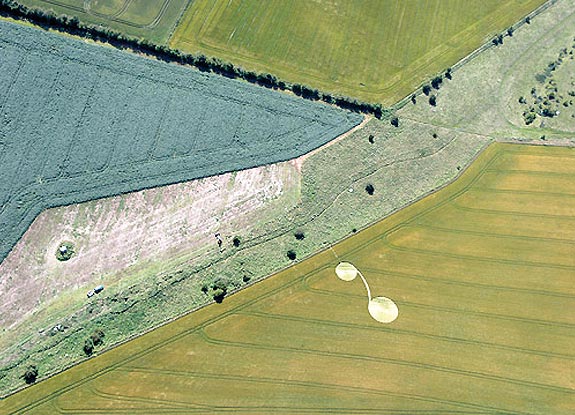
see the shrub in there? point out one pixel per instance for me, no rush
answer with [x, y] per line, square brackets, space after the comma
[370, 139]
[219, 295]
[434, 135]
[236, 241]
[88, 347]
[30, 375]
[432, 101]
[246, 278]
[370, 189]
[299, 235]
[291, 255]
[97, 337]
[436, 82]
[395, 122]
[413, 99]
[65, 251]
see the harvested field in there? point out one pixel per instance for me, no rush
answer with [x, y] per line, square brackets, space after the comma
[151, 19]
[82, 122]
[485, 300]
[378, 51]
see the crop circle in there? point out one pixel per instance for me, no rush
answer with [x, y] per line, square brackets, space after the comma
[383, 309]
[346, 271]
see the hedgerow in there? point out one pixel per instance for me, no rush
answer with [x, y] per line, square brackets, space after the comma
[48, 19]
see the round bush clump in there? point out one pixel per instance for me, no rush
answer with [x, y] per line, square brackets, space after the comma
[65, 251]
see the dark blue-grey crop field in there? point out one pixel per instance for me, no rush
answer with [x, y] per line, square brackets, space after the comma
[80, 121]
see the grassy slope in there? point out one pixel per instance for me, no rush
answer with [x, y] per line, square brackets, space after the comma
[403, 164]
[150, 19]
[476, 277]
[377, 51]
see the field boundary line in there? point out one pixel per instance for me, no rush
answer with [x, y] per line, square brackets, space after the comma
[464, 283]
[399, 362]
[481, 314]
[475, 53]
[353, 326]
[358, 389]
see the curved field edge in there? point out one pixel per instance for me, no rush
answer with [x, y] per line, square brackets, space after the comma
[97, 122]
[280, 297]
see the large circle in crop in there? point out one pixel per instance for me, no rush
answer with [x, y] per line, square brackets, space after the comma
[383, 309]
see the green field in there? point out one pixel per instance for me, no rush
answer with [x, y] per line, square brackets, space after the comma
[84, 122]
[482, 272]
[375, 50]
[151, 19]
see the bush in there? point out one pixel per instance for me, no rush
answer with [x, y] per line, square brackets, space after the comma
[246, 278]
[218, 295]
[97, 337]
[30, 375]
[291, 255]
[236, 241]
[395, 122]
[432, 101]
[299, 235]
[65, 251]
[370, 189]
[88, 347]
[413, 99]
[436, 82]
[371, 139]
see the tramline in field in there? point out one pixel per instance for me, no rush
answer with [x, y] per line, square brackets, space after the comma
[480, 272]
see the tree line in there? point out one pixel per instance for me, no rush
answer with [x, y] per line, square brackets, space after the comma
[63, 23]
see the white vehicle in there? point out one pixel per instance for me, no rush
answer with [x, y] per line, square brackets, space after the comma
[90, 293]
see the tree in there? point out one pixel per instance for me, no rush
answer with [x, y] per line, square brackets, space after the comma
[31, 374]
[299, 235]
[291, 255]
[436, 82]
[395, 122]
[370, 189]
[236, 241]
[426, 89]
[371, 139]
[413, 99]
[88, 347]
[218, 295]
[432, 100]
[97, 337]
[510, 31]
